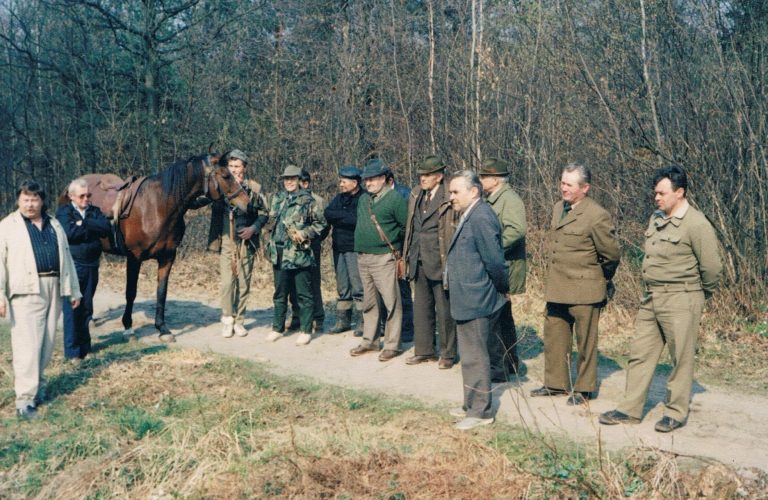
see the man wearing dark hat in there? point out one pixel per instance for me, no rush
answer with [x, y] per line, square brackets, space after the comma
[341, 215]
[381, 217]
[236, 234]
[509, 208]
[429, 229]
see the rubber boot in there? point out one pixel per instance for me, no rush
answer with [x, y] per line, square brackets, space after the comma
[343, 317]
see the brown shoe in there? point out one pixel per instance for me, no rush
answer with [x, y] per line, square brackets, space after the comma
[361, 349]
[388, 354]
[445, 364]
[420, 358]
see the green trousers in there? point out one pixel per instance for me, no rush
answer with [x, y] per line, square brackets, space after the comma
[670, 318]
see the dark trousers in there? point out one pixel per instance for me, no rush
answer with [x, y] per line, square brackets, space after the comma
[301, 281]
[431, 308]
[77, 337]
[407, 324]
[318, 310]
[475, 364]
[502, 345]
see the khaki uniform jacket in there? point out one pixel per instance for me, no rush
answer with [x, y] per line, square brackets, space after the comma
[681, 253]
[447, 221]
[582, 254]
[18, 271]
[509, 208]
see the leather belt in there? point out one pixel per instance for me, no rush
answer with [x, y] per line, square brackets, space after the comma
[48, 274]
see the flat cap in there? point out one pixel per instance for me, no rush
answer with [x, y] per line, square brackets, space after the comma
[494, 166]
[350, 172]
[236, 154]
[429, 165]
[305, 176]
[291, 171]
[374, 168]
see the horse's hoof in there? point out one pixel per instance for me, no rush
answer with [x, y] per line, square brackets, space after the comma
[167, 337]
[130, 335]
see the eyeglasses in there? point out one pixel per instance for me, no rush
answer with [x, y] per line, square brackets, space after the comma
[86, 195]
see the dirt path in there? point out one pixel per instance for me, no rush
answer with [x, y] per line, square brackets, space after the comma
[729, 427]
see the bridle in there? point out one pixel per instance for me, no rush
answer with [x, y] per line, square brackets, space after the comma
[209, 176]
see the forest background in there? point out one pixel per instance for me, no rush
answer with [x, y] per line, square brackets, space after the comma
[624, 86]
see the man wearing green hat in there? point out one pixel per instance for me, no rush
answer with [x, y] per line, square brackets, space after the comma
[430, 227]
[509, 208]
[295, 223]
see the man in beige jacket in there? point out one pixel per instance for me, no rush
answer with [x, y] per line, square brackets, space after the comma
[582, 258]
[36, 272]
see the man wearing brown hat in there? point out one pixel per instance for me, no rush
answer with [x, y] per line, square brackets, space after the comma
[429, 228]
[509, 208]
[582, 257]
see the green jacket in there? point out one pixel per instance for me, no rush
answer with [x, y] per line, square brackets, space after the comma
[509, 208]
[391, 211]
[681, 252]
[297, 211]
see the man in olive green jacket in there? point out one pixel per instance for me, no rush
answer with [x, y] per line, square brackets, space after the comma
[509, 208]
[583, 255]
[681, 267]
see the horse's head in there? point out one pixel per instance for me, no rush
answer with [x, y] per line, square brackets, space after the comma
[219, 183]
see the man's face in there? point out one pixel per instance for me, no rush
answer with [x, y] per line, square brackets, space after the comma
[347, 185]
[304, 184]
[489, 182]
[81, 197]
[375, 184]
[571, 189]
[429, 181]
[30, 205]
[237, 169]
[666, 197]
[461, 196]
[291, 184]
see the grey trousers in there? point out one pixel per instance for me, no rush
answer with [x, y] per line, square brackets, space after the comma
[431, 308]
[348, 284]
[33, 330]
[378, 273]
[475, 363]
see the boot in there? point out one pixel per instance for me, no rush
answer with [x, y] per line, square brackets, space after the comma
[358, 319]
[343, 317]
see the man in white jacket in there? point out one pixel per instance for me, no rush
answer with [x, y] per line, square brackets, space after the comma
[36, 273]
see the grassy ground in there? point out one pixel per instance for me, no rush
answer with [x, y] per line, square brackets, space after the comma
[145, 421]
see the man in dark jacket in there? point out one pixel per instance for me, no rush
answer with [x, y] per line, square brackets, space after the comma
[341, 215]
[84, 225]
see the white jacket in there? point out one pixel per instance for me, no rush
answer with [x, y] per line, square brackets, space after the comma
[18, 271]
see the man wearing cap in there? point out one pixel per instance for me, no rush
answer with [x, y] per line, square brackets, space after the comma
[583, 255]
[509, 208]
[36, 274]
[381, 217]
[294, 222]
[681, 268]
[429, 229]
[236, 234]
[341, 215]
[318, 310]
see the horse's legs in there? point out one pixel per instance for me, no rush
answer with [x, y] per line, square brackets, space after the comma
[164, 265]
[133, 265]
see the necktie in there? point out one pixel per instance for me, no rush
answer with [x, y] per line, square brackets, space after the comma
[566, 208]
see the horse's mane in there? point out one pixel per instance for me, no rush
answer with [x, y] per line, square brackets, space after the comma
[173, 179]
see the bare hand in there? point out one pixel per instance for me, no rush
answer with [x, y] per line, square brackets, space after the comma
[246, 233]
[75, 303]
[297, 236]
[2, 310]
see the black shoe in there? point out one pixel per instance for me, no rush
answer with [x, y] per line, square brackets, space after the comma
[668, 424]
[28, 413]
[548, 391]
[614, 417]
[578, 398]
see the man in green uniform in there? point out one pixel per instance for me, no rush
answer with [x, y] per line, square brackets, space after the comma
[509, 208]
[582, 257]
[682, 267]
[294, 223]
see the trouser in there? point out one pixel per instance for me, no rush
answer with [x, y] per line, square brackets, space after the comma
[77, 336]
[670, 318]
[431, 306]
[407, 301]
[348, 285]
[475, 363]
[562, 321]
[378, 274]
[502, 345]
[33, 330]
[301, 281]
[235, 286]
[318, 308]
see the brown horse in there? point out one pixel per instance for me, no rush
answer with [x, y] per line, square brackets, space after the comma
[151, 221]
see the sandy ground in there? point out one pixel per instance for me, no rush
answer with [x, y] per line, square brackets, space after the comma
[723, 425]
